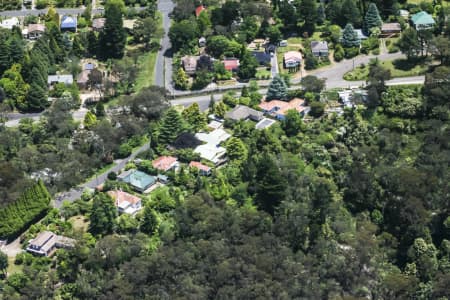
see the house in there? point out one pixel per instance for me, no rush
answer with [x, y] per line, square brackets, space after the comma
[202, 42]
[242, 112]
[125, 202]
[263, 58]
[212, 153]
[68, 23]
[138, 180]
[422, 20]
[9, 23]
[199, 9]
[283, 43]
[361, 34]
[203, 170]
[98, 24]
[129, 24]
[46, 243]
[189, 64]
[231, 64]
[292, 59]
[319, 48]
[34, 31]
[264, 123]
[213, 125]
[67, 79]
[214, 137]
[185, 140]
[390, 29]
[165, 163]
[83, 79]
[211, 150]
[278, 109]
[403, 13]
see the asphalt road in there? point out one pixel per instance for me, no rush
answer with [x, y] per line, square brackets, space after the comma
[165, 7]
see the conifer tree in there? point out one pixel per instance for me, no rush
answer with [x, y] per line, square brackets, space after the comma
[181, 80]
[103, 215]
[372, 18]
[112, 38]
[220, 109]
[36, 99]
[171, 126]
[194, 117]
[149, 221]
[350, 37]
[277, 89]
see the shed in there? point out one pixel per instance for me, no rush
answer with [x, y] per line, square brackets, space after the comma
[68, 23]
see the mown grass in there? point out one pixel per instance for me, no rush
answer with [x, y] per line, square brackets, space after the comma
[398, 68]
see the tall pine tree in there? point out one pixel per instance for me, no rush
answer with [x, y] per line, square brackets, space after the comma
[277, 89]
[171, 126]
[113, 37]
[350, 37]
[372, 18]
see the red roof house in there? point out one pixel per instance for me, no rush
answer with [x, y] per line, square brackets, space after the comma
[199, 10]
[279, 108]
[203, 169]
[165, 163]
[231, 64]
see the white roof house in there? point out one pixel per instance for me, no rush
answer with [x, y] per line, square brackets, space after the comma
[10, 23]
[214, 154]
[64, 78]
[211, 150]
[215, 137]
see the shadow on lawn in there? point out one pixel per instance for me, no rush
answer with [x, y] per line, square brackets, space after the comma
[406, 65]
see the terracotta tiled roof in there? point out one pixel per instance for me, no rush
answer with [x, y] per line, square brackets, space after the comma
[120, 196]
[164, 163]
[200, 166]
[199, 10]
[231, 64]
[283, 106]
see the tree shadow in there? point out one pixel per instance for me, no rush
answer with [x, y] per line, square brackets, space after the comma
[406, 64]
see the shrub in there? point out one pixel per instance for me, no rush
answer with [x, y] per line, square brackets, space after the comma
[351, 52]
[317, 108]
[376, 51]
[112, 175]
[124, 150]
[339, 53]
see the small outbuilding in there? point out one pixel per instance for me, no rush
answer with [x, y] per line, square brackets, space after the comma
[319, 48]
[69, 23]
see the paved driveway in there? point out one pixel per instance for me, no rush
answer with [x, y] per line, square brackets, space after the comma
[165, 7]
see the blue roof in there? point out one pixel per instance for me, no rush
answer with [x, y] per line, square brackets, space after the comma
[89, 66]
[68, 21]
[422, 18]
[140, 180]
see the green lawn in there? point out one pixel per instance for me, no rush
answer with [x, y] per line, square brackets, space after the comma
[13, 268]
[262, 73]
[147, 62]
[398, 68]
